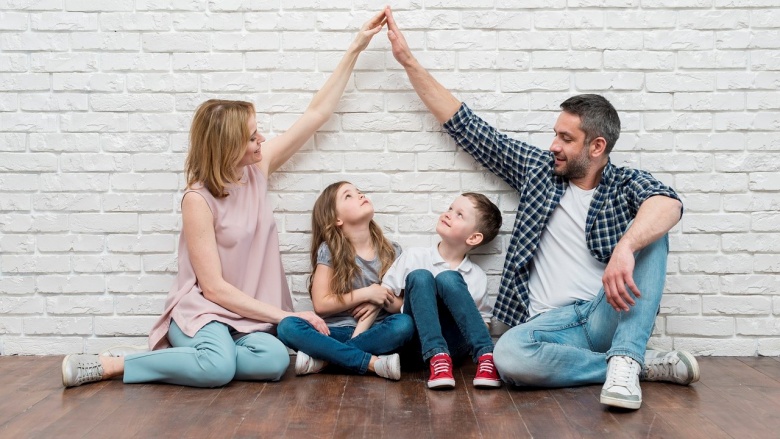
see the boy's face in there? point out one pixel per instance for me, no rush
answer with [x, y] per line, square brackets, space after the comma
[459, 222]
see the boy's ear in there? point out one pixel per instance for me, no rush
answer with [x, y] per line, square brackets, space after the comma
[475, 239]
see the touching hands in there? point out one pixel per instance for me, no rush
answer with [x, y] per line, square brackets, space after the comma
[315, 321]
[369, 29]
[618, 275]
[401, 51]
[365, 310]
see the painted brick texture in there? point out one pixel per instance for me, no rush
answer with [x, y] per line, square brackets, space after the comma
[96, 99]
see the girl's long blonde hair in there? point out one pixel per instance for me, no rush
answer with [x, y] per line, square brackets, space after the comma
[324, 229]
[218, 138]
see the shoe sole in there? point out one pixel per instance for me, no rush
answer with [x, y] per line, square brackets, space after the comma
[622, 403]
[693, 365]
[444, 383]
[64, 363]
[487, 383]
[299, 365]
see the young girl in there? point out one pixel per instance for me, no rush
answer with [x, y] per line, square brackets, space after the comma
[349, 256]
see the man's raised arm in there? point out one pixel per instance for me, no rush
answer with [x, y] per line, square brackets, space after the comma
[440, 102]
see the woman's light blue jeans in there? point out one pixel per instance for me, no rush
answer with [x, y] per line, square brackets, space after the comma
[340, 348]
[211, 358]
[446, 317]
[570, 346]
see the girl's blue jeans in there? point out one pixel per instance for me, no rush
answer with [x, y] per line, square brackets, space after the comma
[339, 348]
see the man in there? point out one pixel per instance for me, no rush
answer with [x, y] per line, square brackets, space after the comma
[586, 263]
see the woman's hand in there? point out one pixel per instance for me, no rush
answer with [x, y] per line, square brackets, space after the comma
[315, 321]
[369, 29]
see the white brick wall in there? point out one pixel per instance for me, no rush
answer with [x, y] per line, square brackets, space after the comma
[96, 99]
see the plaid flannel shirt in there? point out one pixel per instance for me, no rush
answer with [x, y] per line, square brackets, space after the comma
[529, 170]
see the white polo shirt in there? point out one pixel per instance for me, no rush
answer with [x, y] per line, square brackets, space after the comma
[428, 258]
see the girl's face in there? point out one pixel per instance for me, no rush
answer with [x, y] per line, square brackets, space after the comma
[352, 206]
[252, 154]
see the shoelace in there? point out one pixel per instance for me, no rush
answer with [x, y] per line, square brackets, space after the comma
[663, 367]
[440, 366]
[486, 366]
[89, 372]
[621, 373]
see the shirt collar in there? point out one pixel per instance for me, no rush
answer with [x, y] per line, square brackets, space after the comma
[464, 267]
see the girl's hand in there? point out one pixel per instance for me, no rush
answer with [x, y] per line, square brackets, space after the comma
[364, 310]
[369, 29]
[315, 321]
[376, 294]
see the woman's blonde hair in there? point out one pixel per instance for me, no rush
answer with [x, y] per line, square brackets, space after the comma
[218, 138]
[324, 229]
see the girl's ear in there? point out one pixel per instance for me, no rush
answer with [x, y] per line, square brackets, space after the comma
[339, 222]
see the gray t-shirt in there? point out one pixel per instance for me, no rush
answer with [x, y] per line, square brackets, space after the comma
[369, 274]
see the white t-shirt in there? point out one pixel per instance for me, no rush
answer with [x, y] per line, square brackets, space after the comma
[563, 270]
[428, 258]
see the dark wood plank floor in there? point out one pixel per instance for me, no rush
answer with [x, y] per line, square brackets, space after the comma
[736, 398]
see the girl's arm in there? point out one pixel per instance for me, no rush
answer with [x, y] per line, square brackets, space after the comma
[393, 303]
[198, 229]
[326, 303]
[279, 149]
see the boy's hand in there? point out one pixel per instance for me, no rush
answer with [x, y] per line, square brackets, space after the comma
[364, 310]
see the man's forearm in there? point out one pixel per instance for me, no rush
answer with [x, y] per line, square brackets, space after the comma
[440, 102]
[656, 216]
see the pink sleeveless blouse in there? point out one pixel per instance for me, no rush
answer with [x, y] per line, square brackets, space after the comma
[248, 247]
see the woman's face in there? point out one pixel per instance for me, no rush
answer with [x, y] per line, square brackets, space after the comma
[252, 154]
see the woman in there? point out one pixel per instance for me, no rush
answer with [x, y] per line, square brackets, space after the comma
[230, 291]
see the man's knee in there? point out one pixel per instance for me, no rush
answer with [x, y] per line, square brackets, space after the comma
[515, 361]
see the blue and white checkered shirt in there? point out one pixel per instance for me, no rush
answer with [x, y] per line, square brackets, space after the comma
[529, 170]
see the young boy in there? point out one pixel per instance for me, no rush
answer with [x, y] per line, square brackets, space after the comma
[446, 293]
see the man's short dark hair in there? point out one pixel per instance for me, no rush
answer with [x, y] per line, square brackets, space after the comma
[488, 216]
[598, 118]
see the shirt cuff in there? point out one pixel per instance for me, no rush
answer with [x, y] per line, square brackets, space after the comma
[459, 119]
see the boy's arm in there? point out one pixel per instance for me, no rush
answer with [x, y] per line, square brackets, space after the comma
[365, 322]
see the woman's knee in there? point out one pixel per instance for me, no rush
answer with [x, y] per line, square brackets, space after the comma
[218, 367]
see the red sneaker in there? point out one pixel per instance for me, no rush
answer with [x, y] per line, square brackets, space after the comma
[487, 376]
[441, 372]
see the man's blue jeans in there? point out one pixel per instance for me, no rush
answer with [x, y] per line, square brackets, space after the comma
[446, 317]
[339, 348]
[570, 346]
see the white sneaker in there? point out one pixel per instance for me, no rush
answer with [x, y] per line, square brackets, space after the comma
[388, 366]
[622, 386]
[678, 367]
[78, 369]
[305, 364]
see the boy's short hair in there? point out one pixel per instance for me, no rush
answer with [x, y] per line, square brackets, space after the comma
[488, 216]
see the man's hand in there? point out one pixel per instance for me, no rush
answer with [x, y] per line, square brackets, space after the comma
[401, 50]
[618, 275]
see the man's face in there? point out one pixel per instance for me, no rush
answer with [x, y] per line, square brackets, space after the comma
[572, 158]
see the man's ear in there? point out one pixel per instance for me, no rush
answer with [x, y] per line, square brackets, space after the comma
[598, 147]
[475, 239]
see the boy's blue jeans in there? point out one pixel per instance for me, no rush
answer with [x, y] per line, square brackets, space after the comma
[570, 346]
[445, 315]
[339, 348]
